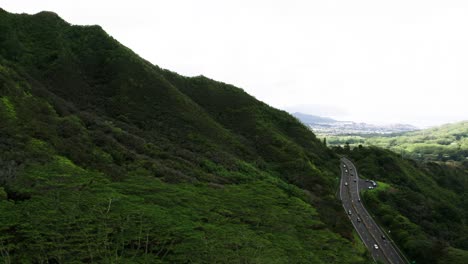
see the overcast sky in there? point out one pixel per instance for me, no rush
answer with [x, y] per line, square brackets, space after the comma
[372, 61]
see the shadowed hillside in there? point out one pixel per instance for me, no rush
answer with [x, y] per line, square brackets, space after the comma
[105, 157]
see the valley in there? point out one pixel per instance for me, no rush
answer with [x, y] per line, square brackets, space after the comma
[108, 158]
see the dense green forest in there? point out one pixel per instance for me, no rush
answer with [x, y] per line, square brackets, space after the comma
[447, 143]
[424, 205]
[106, 158]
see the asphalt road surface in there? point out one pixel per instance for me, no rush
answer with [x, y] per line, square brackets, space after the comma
[368, 230]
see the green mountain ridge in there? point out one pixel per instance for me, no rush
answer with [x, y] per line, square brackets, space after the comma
[108, 158]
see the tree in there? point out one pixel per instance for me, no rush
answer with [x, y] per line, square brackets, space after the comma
[347, 148]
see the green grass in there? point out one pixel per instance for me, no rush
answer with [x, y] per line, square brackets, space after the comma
[71, 210]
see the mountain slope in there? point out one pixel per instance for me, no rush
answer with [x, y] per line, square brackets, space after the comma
[107, 158]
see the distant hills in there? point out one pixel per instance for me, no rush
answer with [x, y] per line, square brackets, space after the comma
[313, 119]
[329, 126]
[445, 143]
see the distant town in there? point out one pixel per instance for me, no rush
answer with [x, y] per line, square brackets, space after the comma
[328, 126]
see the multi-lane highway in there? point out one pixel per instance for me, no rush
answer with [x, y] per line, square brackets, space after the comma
[380, 247]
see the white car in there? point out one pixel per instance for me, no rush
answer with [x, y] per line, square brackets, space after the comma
[349, 212]
[345, 184]
[370, 187]
[376, 246]
[344, 166]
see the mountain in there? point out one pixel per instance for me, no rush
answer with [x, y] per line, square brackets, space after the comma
[446, 143]
[312, 119]
[105, 157]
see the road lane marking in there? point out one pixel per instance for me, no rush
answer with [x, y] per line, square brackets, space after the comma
[393, 248]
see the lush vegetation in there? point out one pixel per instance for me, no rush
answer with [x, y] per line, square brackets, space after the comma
[106, 158]
[424, 205]
[447, 143]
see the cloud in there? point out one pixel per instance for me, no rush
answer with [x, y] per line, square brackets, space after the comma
[367, 60]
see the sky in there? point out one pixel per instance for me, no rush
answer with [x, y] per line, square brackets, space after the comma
[367, 61]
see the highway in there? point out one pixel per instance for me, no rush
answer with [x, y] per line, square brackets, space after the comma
[369, 232]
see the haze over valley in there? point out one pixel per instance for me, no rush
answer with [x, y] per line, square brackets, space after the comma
[328, 126]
